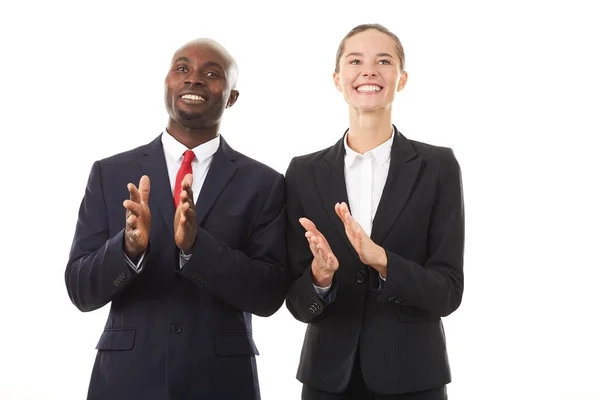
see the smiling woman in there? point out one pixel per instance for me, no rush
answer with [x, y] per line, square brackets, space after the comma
[374, 285]
[378, 70]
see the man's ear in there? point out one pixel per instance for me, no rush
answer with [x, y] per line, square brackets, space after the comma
[233, 96]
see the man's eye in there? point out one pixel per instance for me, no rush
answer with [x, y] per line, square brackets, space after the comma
[385, 62]
[355, 62]
[181, 69]
[212, 74]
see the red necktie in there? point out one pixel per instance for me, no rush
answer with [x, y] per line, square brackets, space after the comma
[186, 168]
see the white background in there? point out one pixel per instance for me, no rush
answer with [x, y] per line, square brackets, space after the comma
[511, 86]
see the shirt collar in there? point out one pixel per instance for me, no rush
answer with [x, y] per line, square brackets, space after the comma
[381, 153]
[174, 149]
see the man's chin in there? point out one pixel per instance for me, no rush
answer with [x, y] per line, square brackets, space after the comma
[187, 116]
[193, 120]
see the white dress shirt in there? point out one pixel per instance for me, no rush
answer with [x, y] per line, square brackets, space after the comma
[173, 151]
[365, 176]
[174, 157]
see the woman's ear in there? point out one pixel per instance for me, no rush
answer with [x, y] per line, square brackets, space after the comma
[402, 81]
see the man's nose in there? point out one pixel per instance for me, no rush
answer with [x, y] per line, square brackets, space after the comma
[193, 79]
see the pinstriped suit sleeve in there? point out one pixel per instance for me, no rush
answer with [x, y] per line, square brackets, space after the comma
[303, 301]
[436, 286]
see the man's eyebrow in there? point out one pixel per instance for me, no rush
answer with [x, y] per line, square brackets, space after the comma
[206, 64]
[214, 64]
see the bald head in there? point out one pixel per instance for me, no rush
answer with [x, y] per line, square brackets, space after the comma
[227, 60]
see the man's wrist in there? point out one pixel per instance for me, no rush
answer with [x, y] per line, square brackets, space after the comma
[132, 254]
[188, 250]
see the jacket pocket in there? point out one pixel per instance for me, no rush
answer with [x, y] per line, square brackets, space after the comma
[235, 345]
[117, 339]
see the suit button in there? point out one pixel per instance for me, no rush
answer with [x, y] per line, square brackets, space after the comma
[312, 310]
[392, 298]
[360, 276]
[175, 328]
[398, 301]
[194, 275]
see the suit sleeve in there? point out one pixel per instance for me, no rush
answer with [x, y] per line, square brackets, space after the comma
[97, 269]
[436, 286]
[255, 280]
[303, 301]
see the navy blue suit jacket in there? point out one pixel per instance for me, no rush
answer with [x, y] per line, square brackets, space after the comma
[171, 333]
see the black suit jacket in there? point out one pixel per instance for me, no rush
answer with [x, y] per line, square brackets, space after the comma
[171, 333]
[420, 224]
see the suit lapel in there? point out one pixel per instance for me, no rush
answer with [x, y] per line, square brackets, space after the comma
[331, 185]
[161, 198]
[222, 169]
[402, 175]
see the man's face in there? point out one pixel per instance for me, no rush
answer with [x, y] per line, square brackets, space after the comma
[198, 86]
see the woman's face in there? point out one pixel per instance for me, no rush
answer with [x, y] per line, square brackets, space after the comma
[369, 71]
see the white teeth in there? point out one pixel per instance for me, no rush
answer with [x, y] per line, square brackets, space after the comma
[193, 97]
[368, 88]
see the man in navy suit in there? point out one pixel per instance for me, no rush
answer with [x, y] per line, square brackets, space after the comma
[184, 265]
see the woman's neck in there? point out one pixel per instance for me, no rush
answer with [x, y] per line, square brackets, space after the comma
[369, 129]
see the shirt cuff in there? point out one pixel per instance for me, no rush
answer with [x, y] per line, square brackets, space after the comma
[381, 282]
[136, 267]
[183, 259]
[322, 291]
